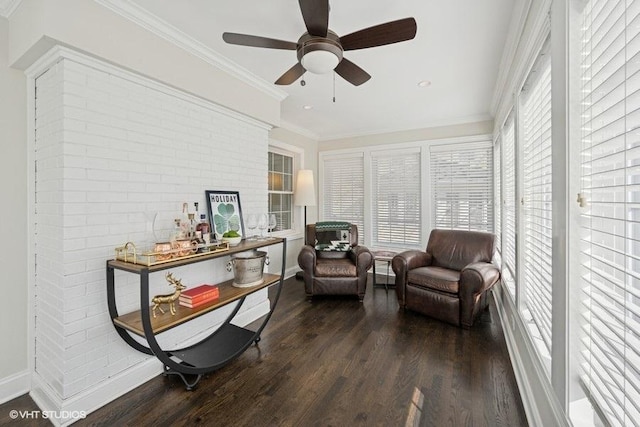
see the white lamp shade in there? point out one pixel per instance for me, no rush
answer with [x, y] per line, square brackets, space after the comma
[305, 192]
[319, 61]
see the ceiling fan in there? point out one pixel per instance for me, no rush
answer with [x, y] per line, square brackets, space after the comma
[320, 50]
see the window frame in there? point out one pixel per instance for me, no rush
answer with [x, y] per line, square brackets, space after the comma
[359, 220]
[376, 157]
[536, 312]
[297, 154]
[442, 150]
[423, 146]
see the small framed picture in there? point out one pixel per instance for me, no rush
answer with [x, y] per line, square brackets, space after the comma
[225, 211]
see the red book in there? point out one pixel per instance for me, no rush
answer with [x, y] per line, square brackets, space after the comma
[199, 292]
[198, 298]
[199, 303]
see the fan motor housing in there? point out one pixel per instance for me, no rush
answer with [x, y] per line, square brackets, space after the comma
[308, 43]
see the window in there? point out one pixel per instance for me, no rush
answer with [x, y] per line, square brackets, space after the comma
[384, 189]
[281, 189]
[610, 218]
[396, 198]
[508, 142]
[462, 186]
[535, 146]
[343, 190]
[497, 168]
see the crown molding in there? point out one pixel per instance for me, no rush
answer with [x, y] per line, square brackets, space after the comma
[8, 6]
[516, 28]
[299, 130]
[389, 130]
[58, 53]
[538, 27]
[161, 28]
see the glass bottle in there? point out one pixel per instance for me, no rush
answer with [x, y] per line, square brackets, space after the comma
[176, 234]
[185, 222]
[202, 227]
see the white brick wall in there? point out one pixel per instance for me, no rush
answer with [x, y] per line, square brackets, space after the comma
[113, 149]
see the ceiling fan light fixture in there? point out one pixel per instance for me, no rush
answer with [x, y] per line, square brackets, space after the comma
[319, 61]
[319, 55]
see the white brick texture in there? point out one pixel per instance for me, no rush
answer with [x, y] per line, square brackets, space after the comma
[113, 151]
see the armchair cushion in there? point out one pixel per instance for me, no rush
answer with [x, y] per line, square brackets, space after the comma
[438, 278]
[335, 268]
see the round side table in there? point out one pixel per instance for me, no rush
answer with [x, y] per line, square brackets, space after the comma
[382, 256]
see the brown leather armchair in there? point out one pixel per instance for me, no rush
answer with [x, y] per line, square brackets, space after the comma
[450, 280]
[334, 272]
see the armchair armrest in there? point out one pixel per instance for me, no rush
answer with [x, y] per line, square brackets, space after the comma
[478, 277]
[361, 257]
[307, 259]
[408, 260]
[402, 263]
[475, 280]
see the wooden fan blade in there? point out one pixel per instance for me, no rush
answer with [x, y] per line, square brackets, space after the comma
[257, 41]
[351, 72]
[316, 16]
[380, 35]
[291, 75]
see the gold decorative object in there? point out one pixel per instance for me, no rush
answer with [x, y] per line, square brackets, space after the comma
[170, 299]
[185, 247]
[163, 251]
[127, 253]
[166, 252]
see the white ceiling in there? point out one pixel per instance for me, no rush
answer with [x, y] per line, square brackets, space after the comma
[458, 48]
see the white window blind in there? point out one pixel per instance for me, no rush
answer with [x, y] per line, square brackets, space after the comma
[610, 223]
[536, 152]
[343, 190]
[462, 186]
[509, 204]
[396, 194]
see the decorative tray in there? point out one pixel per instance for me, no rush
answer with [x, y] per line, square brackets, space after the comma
[129, 253]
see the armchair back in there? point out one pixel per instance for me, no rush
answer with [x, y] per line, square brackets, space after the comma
[313, 236]
[455, 249]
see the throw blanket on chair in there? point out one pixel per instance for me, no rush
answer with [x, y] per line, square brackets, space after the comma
[334, 246]
[332, 226]
[333, 236]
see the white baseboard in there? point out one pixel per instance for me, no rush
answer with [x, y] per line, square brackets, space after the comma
[67, 411]
[528, 401]
[14, 386]
[291, 271]
[540, 403]
[255, 312]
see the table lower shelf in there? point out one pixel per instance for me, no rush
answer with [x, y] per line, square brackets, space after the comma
[228, 294]
[225, 344]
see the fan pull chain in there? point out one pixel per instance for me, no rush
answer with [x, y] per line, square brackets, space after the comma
[334, 87]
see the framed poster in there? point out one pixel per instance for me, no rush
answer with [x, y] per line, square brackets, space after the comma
[225, 212]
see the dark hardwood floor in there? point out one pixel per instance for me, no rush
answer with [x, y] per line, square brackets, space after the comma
[337, 362]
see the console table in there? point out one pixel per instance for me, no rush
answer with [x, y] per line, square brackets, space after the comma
[221, 346]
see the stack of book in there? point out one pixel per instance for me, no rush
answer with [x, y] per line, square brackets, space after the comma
[198, 296]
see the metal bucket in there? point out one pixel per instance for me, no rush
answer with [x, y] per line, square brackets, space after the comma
[247, 268]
